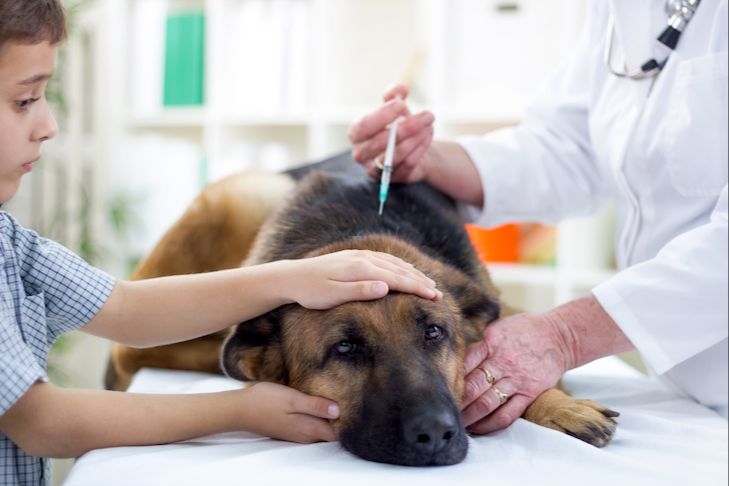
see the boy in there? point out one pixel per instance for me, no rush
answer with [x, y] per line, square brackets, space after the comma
[45, 291]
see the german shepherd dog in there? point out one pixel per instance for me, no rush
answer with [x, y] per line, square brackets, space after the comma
[394, 365]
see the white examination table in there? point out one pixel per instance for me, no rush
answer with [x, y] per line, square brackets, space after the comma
[662, 439]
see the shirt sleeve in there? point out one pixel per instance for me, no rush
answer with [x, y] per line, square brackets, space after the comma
[549, 157]
[19, 369]
[73, 291]
[675, 306]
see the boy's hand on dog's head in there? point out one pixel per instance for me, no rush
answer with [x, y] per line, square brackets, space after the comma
[281, 412]
[329, 280]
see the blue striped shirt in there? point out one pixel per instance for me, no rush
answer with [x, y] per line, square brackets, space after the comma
[45, 291]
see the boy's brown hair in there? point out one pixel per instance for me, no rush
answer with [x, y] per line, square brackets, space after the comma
[32, 21]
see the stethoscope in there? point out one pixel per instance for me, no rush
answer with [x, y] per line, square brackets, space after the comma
[680, 13]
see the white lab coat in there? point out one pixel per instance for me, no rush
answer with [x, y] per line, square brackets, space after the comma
[656, 147]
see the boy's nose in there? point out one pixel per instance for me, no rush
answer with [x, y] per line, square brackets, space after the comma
[46, 126]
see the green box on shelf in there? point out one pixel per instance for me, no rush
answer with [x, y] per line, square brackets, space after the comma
[185, 59]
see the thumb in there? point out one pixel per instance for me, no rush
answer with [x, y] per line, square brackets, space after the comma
[316, 406]
[375, 290]
[362, 290]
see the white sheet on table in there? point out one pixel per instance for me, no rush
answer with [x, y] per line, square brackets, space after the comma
[662, 439]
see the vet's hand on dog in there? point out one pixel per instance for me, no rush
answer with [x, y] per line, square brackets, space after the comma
[280, 412]
[523, 356]
[414, 136]
[329, 280]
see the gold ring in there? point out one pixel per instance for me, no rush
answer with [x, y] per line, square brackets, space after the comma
[489, 377]
[503, 397]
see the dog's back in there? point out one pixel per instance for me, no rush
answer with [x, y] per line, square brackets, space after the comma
[345, 208]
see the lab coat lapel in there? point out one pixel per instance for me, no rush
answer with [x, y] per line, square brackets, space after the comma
[633, 41]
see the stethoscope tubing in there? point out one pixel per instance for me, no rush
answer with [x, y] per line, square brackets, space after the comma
[679, 15]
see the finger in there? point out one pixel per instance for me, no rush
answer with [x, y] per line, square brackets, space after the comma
[378, 266]
[375, 268]
[399, 266]
[315, 406]
[393, 92]
[408, 147]
[376, 145]
[371, 147]
[476, 384]
[503, 417]
[411, 129]
[313, 429]
[411, 161]
[372, 290]
[372, 124]
[415, 125]
[372, 170]
[486, 403]
[324, 432]
[404, 279]
[388, 257]
[413, 286]
[476, 354]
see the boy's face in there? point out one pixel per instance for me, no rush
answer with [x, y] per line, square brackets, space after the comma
[25, 117]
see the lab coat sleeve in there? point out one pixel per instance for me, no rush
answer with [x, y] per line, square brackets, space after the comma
[675, 306]
[544, 169]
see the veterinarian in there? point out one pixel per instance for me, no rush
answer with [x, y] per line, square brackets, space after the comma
[46, 291]
[613, 123]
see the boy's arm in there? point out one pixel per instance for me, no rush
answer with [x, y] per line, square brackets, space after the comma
[170, 309]
[49, 421]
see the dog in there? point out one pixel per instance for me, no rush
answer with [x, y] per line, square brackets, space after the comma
[394, 365]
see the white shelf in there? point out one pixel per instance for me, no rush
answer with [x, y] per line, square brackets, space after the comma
[171, 118]
[316, 64]
[283, 120]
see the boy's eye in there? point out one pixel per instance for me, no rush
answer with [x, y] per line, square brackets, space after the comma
[22, 104]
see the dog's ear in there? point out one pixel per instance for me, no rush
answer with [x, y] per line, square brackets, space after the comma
[478, 306]
[253, 352]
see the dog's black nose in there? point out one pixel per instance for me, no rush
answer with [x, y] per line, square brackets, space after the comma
[430, 432]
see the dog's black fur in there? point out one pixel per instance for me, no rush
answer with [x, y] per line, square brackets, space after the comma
[415, 213]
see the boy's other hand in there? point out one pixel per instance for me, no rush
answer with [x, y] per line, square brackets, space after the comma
[281, 412]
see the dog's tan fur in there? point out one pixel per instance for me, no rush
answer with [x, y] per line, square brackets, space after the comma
[215, 233]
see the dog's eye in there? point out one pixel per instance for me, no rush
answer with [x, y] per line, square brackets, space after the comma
[345, 348]
[434, 333]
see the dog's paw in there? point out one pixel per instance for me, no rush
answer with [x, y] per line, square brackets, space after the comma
[586, 420]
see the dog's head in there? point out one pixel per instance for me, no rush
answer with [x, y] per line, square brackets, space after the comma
[394, 366]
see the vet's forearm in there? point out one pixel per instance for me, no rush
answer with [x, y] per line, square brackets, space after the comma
[450, 170]
[164, 310]
[53, 422]
[586, 331]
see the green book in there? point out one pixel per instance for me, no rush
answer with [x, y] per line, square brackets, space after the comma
[185, 59]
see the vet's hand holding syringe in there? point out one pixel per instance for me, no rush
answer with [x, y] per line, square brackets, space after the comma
[416, 157]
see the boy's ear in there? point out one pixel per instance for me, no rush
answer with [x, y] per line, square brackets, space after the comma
[252, 351]
[475, 302]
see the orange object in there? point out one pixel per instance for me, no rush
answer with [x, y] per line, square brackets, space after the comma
[496, 245]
